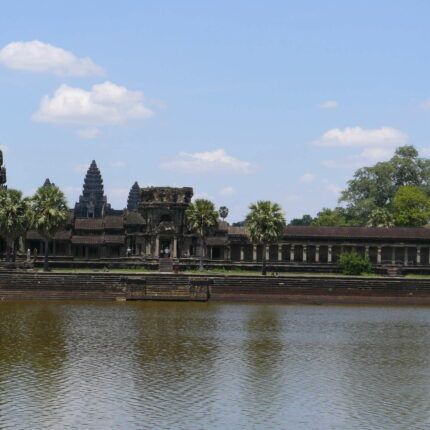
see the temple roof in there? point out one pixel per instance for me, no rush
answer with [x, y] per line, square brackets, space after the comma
[406, 233]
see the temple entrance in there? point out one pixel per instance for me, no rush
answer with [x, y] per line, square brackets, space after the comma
[165, 245]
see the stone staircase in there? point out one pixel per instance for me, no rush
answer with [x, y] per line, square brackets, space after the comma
[165, 265]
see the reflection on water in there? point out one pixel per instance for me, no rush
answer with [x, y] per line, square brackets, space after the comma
[87, 365]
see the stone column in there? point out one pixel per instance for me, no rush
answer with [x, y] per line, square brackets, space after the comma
[317, 254]
[157, 247]
[254, 253]
[406, 256]
[304, 254]
[54, 247]
[228, 249]
[175, 247]
[148, 246]
[267, 250]
[393, 255]
[86, 252]
[366, 251]
[279, 252]
[242, 253]
[342, 249]
[379, 255]
[329, 254]
[291, 253]
[418, 254]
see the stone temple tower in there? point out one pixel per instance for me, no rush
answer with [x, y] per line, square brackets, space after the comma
[2, 172]
[92, 203]
[134, 198]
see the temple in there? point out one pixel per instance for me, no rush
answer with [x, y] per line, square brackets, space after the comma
[153, 227]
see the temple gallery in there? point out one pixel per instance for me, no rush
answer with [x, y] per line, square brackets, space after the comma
[153, 226]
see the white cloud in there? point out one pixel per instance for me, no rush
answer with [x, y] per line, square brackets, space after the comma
[81, 168]
[360, 137]
[88, 133]
[104, 104]
[426, 104]
[36, 56]
[211, 161]
[227, 191]
[329, 104]
[307, 178]
[118, 164]
[332, 187]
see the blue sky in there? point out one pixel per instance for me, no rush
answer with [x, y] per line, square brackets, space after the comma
[241, 100]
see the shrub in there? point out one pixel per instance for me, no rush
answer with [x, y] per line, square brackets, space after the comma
[352, 263]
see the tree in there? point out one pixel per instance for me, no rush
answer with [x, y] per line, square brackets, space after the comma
[223, 212]
[265, 223]
[304, 220]
[411, 207]
[15, 219]
[202, 218]
[381, 217]
[50, 214]
[352, 263]
[330, 217]
[375, 187]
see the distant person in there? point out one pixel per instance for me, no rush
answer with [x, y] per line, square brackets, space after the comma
[167, 252]
[128, 252]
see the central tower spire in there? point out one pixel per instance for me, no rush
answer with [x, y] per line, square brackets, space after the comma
[92, 203]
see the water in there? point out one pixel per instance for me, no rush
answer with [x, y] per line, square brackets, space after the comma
[87, 365]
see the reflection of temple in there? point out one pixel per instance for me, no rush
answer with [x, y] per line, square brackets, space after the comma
[154, 222]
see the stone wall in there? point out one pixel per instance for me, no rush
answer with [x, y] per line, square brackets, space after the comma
[294, 289]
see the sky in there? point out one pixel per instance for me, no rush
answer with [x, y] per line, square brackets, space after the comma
[241, 100]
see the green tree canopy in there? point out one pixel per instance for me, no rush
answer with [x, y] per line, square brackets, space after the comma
[330, 217]
[202, 217]
[375, 187]
[265, 223]
[411, 207]
[304, 220]
[50, 214]
[15, 218]
[381, 217]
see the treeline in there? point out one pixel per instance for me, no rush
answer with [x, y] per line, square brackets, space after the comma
[390, 193]
[45, 212]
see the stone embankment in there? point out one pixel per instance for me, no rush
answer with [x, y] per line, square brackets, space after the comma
[229, 288]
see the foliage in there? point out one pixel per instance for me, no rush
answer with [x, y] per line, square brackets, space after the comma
[411, 207]
[352, 263]
[223, 212]
[380, 217]
[239, 224]
[330, 217]
[375, 187]
[304, 220]
[15, 218]
[265, 223]
[50, 214]
[202, 218]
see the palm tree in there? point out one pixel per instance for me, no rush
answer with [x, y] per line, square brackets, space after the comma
[265, 223]
[15, 219]
[223, 212]
[50, 214]
[202, 217]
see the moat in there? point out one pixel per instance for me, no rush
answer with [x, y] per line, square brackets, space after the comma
[154, 365]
